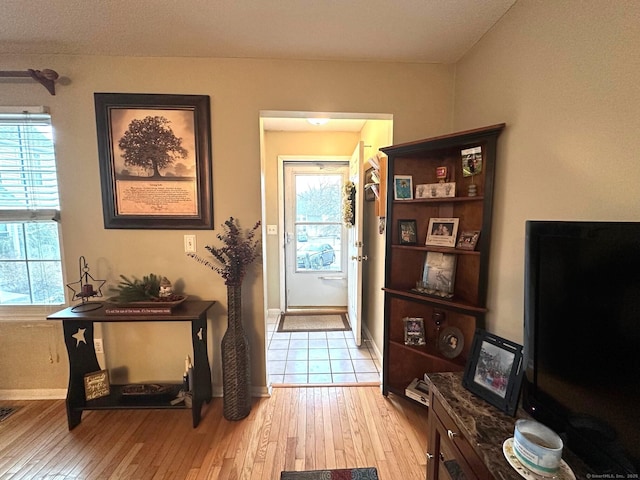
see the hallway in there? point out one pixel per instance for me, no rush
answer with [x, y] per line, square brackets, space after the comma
[303, 358]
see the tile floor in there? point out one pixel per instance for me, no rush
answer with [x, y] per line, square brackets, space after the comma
[319, 358]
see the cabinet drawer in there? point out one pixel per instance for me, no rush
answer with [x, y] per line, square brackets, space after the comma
[462, 448]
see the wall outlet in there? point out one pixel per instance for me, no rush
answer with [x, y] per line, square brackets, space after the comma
[272, 229]
[190, 243]
[97, 344]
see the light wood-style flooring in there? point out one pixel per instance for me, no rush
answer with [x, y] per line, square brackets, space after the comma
[296, 428]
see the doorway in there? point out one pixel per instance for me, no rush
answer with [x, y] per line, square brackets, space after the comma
[315, 241]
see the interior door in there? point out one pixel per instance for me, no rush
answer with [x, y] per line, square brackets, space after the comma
[355, 236]
[315, 243]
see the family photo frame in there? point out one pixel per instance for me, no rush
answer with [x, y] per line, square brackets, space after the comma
[442, 232]
[494, 371]
[155, 160]
[402, 187]
[407, 232]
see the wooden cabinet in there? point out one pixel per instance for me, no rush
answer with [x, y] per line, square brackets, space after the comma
[465, 309]
[451, 456]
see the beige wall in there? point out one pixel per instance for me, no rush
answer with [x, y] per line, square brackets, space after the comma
[419, 97]
[563, 75]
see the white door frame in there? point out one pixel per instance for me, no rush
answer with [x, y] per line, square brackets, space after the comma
[281, 238]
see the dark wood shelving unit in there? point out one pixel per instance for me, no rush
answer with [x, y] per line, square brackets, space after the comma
[404, 264]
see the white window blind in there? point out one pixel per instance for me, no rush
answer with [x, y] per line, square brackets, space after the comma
[28, 179]
[30, 261]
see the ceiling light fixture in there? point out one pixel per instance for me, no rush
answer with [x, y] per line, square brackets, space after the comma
[317, 121]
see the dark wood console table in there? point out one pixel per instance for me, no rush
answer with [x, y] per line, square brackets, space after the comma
[78, 338]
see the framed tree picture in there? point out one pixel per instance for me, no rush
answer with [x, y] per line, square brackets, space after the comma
[155, 160]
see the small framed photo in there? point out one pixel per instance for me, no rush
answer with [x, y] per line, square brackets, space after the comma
[468, 240]
[442, 232]
[407, 231]
[402, 187]
[494, 371]
[471, 161]
[436, 190]
[414, 331]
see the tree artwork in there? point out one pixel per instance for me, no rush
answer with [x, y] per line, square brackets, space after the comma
[151, 144]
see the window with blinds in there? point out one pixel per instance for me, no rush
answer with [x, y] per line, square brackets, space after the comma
[30, 261]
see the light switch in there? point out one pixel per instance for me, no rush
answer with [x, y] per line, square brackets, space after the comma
[190, 243]
[272, 229]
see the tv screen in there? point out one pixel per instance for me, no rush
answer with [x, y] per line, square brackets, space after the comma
[582, 338]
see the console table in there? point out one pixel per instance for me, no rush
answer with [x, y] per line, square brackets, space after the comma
[466, 435]
[78, 338]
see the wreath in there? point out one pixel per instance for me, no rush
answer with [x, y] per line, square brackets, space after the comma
[349, 204]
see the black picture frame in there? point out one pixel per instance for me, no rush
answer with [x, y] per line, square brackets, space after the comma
[146, 187]
[407, 232]
[494, 371]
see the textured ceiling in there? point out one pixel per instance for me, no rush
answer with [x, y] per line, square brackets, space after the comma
[424, 31]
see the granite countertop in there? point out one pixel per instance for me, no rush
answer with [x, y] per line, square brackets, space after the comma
[485, 426]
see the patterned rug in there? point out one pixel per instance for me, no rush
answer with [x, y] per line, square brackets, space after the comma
[307, 322]
[369, 473]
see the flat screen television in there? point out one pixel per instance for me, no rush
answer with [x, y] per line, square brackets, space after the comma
[582, 338]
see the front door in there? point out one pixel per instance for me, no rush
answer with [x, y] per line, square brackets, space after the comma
[315, 242]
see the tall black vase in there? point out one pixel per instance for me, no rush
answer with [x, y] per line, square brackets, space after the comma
[236, 374]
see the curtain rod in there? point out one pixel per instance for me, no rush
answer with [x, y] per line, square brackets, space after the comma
[45, 77]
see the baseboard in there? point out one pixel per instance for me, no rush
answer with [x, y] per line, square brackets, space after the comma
[273, 312]
[34, 394]
[373, 345]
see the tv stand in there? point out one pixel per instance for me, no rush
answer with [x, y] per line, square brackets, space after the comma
[466, 435]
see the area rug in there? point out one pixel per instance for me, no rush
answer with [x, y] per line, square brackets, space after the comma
[369, 473]
[305, 322]
[5, 412]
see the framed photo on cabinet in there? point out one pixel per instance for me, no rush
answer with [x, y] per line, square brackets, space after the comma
[494, 371]
[442, 232]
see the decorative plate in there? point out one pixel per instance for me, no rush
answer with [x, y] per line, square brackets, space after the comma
[451, 342]
[564, 473]
[178, 299]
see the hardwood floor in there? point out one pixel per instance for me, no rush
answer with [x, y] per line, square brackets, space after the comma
[295, 429]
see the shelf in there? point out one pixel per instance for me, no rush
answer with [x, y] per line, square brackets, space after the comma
[477, 198]
[449, 303]
[116, 400]
[430, 352]
[429, 248]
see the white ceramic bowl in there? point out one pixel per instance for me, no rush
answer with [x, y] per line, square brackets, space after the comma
[537, 447]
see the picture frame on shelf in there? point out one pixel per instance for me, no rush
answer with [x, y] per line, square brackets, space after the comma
[402, 187]
[468, 240]
[155, 160]
[442, 232]
[451, 342]
[494, 370]
[414, 333]
[407, 232]
[471, 161]
[438, 275]
[436, 190]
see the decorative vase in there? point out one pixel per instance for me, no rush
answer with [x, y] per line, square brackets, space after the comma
[236, 378]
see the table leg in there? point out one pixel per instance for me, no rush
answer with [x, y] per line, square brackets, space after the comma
[78, 338]
[202, 391]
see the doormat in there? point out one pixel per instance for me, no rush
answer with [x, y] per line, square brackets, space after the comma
[369, 473]
[5, 412]
[307, 322]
